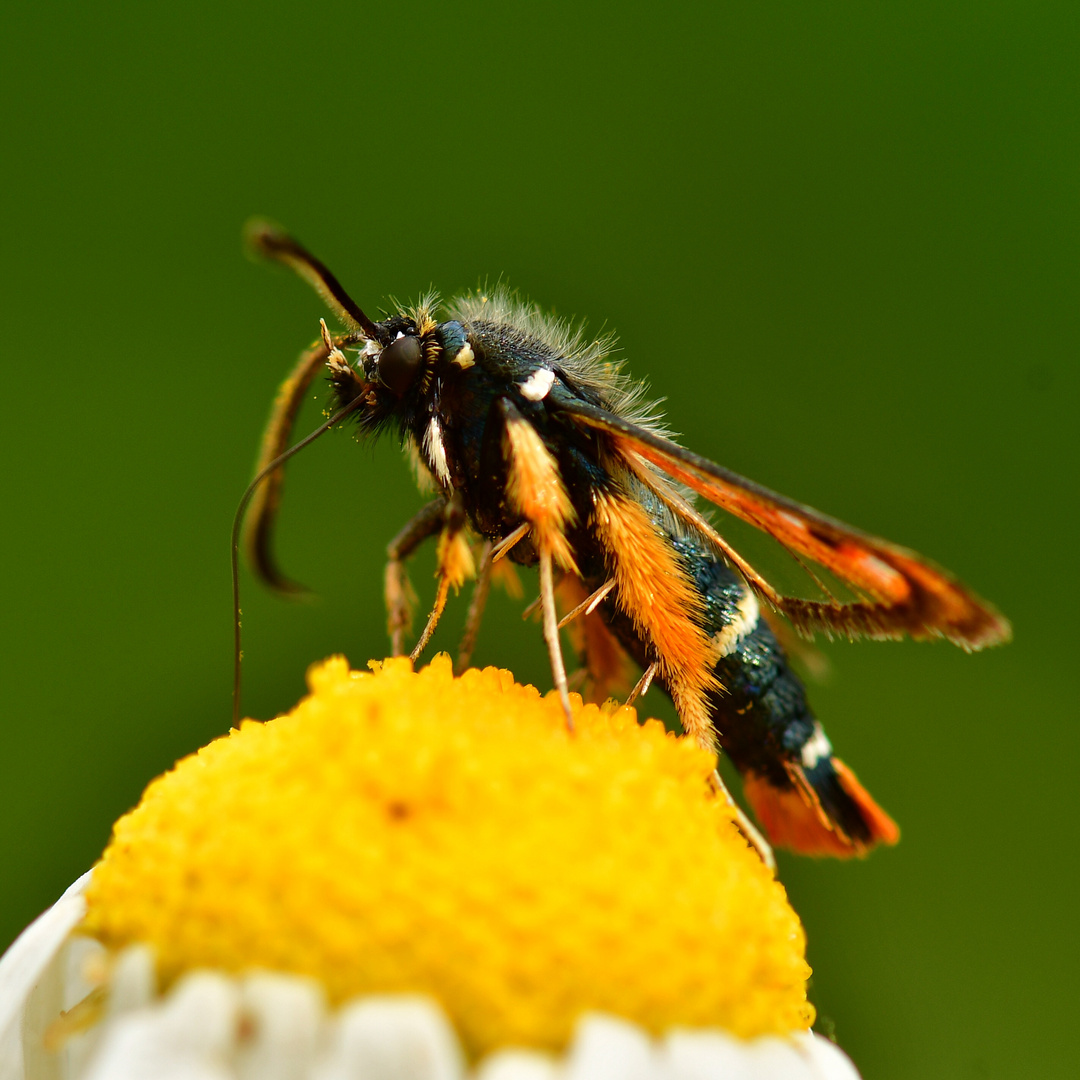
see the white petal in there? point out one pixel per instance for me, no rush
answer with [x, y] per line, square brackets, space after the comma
[709, 1055]
[706, 1055]
[133, 980]
[282, 1021]
[398, 1038]
[190, 1036]
[35, 962]
[778, 1059]
[829, 1062]
[518, 1065]
[86, 963]
[608, 1049]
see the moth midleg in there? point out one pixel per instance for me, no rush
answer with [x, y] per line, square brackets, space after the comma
[398, 591]
[551, 633]
[535, 489]
[502, 548]
[477, 603]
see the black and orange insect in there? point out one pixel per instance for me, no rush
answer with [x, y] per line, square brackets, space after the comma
[538, 448]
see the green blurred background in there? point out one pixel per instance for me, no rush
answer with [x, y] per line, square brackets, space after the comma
[841, 239]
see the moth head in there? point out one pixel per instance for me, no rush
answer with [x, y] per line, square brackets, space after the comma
[397, 359]
[398, 365]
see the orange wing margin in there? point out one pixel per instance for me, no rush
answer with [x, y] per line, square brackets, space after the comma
[907, 594]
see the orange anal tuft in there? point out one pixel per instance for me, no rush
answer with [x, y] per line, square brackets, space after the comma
[883, 829]
[794, 822]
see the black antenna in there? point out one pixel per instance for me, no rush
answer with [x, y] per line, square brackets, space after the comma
[238, 521]
[273, 242]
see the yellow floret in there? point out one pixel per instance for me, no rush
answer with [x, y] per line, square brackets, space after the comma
[414, 832]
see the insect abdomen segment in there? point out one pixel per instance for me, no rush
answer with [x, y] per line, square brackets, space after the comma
[805, 798]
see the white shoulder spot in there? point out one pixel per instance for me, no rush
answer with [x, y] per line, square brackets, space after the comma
[464, 357]
[815, 748]
[538, 385]
[435, 452]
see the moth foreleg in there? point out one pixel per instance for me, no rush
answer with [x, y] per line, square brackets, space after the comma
[454, 564]
[398, 590]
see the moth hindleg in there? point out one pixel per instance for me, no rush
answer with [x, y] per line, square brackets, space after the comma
[746, 826]
[606, 669]
[477, 603]
[641, 687]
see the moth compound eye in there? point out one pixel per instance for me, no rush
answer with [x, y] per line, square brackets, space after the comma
[399, 363]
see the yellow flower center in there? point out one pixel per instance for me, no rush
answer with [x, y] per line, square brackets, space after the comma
[413, 832]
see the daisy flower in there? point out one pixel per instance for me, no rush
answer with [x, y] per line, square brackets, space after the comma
[413, 876]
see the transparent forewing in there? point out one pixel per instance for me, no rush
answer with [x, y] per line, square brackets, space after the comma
[900, 591]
